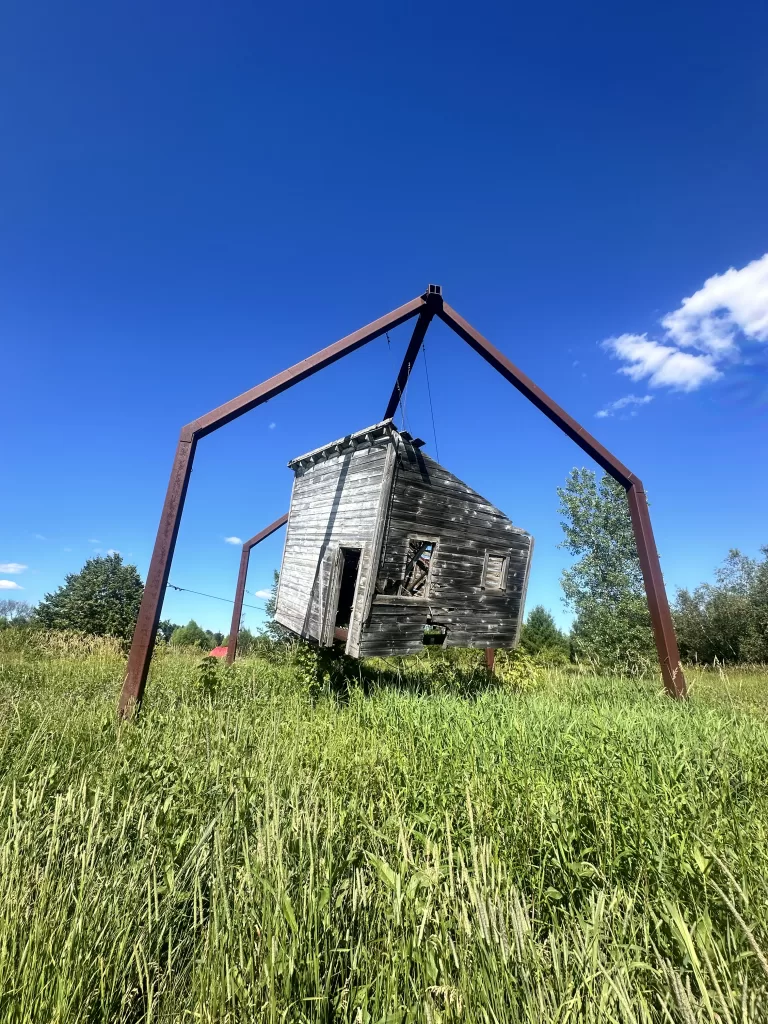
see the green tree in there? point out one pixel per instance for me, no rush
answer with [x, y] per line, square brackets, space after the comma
[727, 620]
[102, 599]
[272, 629]
[246, 642]
[166, 628]
[191, 635]
[540, 634]
[15, 613]
[605, 586]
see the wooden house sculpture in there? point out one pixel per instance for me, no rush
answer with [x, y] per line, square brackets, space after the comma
[386, 550]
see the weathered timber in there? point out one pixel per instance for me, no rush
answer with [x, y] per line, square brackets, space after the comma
[377, 493]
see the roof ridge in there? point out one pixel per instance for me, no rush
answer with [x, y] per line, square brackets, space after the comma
[381, 429]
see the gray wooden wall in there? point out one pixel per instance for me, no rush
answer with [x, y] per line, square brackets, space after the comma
[429, 502]
[336, 502]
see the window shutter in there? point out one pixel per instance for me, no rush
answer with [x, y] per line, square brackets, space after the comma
[495, 572]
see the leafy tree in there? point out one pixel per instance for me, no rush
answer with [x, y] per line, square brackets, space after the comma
[191, 635]
[15, 613]
[727, 620]
[540, 634]
[246, 641]
[605, 586]
[165, 629]
[102, 599]
[272, 629]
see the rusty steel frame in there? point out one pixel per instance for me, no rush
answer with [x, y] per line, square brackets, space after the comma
[417, 338]
[425, 307]
[245, 557]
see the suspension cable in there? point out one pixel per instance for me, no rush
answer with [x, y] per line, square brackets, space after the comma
[401, 396]
[429, 393]
[213, 596]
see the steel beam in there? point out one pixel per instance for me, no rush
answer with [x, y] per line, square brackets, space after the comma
[534, 394]
[426, 306]
[661, 617]
[245, 558]
[658, 605]
[411, 353]
[144, 634]
[143, 642]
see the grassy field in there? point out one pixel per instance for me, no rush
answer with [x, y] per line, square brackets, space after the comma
[416, 848]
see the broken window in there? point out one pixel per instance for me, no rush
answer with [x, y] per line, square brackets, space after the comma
[418, 563]
[495, 572]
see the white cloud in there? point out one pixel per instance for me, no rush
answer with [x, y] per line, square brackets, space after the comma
[728, 311]
[113, 551]
[623, 403]
[9, 585]
[272, 426]
[94, 540]
[663, 365]
[232, 540]
[39, 536]
[262, 593]
[14, 568]
[727, 304]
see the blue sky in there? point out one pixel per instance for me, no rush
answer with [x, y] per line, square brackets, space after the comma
[197, 196]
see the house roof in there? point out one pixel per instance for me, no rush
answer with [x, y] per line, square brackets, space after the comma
[360, 439]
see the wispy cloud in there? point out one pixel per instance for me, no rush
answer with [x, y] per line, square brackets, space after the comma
[94, 540]
[624, 403]
[9, 585]
[727, 313]
[272, 426]
[112, 551]
[14, 568]
[262, 593]
[232, 540]
[39, 536]
[662, 365]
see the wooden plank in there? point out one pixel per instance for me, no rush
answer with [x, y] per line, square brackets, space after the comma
[362, 611]
[332, 565]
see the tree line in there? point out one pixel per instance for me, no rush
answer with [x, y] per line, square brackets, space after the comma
[726, 620]
[103, 599]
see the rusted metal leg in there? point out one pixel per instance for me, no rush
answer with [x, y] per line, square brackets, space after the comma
[237, 611]
[245, 558]
[144, 634]
[658, 605]
[414, 345]
[157, 579]
[661, 618]
[490, 659]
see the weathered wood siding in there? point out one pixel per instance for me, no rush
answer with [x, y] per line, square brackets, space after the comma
[335, 503]
[429, 502]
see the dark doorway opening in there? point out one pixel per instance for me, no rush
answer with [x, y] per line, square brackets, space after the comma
[349, 568]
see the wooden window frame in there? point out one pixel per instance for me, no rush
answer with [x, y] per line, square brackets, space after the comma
[502, 587]
[420, 599]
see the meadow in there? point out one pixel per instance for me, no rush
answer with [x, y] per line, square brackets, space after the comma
[413, 846]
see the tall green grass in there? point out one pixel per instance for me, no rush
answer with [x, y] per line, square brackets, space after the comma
[585, 850]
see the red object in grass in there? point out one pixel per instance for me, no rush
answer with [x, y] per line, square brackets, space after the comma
[219, 652]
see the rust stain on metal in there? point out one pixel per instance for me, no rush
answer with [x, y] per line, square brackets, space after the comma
[661, 617]
[242, 575]
[425, 307]
[142, 645]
